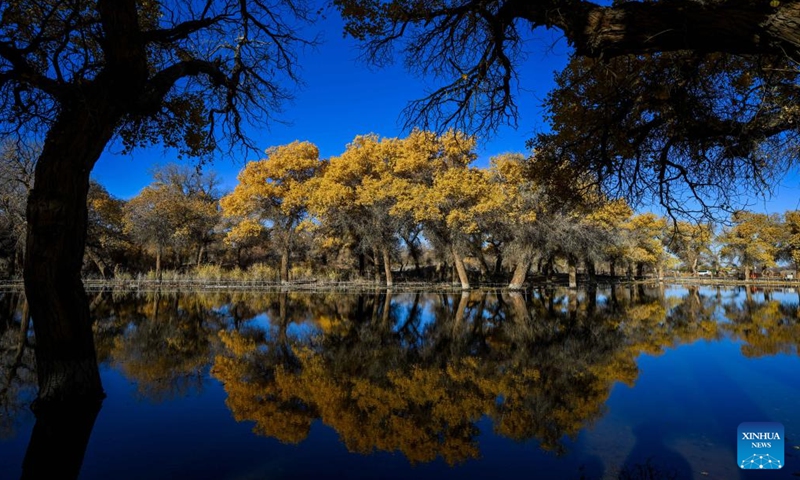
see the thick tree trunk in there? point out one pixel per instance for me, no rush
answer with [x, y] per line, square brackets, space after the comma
[66, 361]
[376, 266]
[747, 272]
[361, 264]
[460, 268]
[498, 265]
[639, 270]
[482, 263]
[612, 265]
[591, 272]
[591, 299]
[284, 273]
[99, 263]
[549, 270]
[441, 272]
[573, 272]
[158, 263]
[520, 272]
[387, 267]
[59, 441]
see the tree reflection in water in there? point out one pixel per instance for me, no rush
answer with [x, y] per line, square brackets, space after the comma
[412, 372]
[387, 377]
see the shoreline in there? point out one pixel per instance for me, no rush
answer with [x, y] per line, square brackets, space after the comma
[192, 284]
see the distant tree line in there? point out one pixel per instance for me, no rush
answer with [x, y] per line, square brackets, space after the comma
[414, 208]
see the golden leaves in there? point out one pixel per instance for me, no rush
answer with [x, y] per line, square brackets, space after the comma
[274, 189]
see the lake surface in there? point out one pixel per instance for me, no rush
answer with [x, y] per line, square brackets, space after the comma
[624, 382]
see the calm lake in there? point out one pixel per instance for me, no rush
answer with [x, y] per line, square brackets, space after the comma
[639, 382]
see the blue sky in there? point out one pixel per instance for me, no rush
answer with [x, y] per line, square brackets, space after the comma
[343, 97]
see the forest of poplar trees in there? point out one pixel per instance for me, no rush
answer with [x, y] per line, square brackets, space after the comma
[389, 209]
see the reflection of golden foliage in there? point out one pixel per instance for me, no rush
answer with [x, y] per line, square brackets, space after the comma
[424, 412]
[251, 398]
[767, 328]
[545, 377]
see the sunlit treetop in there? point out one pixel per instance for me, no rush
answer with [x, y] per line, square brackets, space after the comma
[751, 239]
[275, 185]
[426, 153]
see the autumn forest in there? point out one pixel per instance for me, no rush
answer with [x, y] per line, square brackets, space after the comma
[414, 208]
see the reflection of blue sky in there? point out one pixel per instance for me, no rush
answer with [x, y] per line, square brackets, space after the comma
[694, 397]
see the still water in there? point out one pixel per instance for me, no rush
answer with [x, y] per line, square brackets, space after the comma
[626, 382]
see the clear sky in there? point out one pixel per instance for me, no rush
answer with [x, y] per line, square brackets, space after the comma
[343, 97]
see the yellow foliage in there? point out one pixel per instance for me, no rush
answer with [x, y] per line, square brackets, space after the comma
[274, 189]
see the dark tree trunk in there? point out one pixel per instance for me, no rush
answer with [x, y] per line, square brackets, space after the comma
[498, 265]
[376, 266]
[387, 267]
[361, 264]
[58, 442]
[591, 299]
[612, 266]
[200, 252]
[99, 263]
[573, 271]
[482, 263]
[549, 269]
[591, 272]
[66, 361]
[614, 298]
[284, 265]
[158, 263]
[639, 270]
